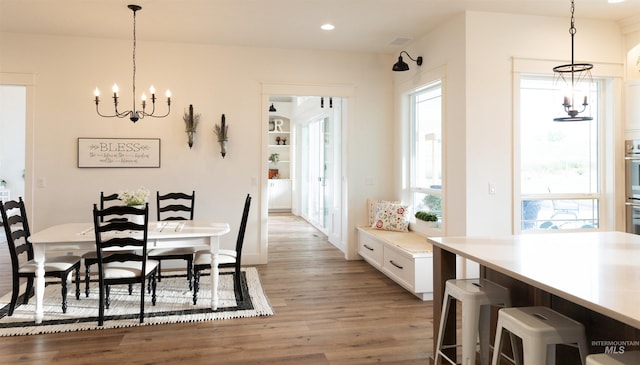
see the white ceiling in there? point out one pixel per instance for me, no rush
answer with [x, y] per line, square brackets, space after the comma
[361, 25]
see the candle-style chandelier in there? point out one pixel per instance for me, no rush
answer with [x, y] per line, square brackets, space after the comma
[574, 75]
[134, 114]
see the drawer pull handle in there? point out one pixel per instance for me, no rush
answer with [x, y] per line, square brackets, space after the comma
[368, 248]
[396, 265]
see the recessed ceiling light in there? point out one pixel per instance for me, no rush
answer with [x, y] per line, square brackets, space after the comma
[327, 26]
[615, 1]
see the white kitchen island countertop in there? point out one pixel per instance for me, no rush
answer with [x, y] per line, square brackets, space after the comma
[595, 275]
[598, 270]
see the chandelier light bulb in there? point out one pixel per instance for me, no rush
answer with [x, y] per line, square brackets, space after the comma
[152, 90]
[168, 94]
[115, 89]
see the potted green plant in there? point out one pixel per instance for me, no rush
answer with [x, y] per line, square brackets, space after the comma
[426, 219]
[273, 171]
[426, 216]
[274, 158]
[3, 183]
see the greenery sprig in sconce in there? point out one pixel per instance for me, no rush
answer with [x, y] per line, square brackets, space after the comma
[223, 138]
[191, 123]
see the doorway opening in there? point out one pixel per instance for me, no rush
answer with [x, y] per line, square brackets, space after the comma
[304, 148]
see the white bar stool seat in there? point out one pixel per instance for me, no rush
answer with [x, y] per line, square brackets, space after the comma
[626, 358]
[477, 296]
[539, 327]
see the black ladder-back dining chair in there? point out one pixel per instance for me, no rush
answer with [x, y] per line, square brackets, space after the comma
[16, 228]
[109, 200]
[91, 258]
[227, 258]
[175, 206]
[126, 261]
[171, 207]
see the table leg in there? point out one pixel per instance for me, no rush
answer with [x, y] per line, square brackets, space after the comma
[215, 272]
[38, 253]
[444, 268]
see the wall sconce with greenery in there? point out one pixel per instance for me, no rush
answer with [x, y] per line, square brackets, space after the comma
[191, 123]
[222, 131]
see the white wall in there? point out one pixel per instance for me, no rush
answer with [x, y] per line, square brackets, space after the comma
[444, 54]
[493, 41]
[476, 50]
[216, 80]
[631, 31]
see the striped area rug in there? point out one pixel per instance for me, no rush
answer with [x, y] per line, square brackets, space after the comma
[174, 305]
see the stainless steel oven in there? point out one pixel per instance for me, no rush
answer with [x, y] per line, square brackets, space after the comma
[633, 218]
[632, 182]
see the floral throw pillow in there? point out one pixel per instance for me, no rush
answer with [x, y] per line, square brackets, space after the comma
[391, 217]
[372, 206]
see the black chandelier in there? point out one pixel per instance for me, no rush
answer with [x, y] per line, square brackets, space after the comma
[573, 75]
[134, 114]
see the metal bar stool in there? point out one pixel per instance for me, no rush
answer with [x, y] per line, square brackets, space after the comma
[626, 358]
[539, 327]
[477, 296]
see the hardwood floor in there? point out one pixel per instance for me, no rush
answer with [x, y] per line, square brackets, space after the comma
[327, 311]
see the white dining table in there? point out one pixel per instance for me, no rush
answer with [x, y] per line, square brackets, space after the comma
[73, 236]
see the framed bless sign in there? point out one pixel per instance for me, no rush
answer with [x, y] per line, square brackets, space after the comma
[118, 152]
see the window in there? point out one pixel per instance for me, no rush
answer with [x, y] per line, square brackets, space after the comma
[559, 161]
[426, 149]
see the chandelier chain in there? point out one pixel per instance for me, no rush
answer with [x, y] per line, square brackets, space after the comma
[134, 62]
[572, 29]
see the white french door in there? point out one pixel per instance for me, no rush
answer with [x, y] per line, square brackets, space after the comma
[320, 164]
[314, 180]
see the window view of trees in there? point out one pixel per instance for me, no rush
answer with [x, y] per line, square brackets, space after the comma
[559, 172]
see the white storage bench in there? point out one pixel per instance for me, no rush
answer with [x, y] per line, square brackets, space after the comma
[405, 257]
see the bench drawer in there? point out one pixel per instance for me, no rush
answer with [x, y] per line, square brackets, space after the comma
[404, 257]
[370, 249]
[399, 266]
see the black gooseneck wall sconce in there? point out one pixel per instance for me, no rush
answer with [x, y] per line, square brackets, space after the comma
[402, 66]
